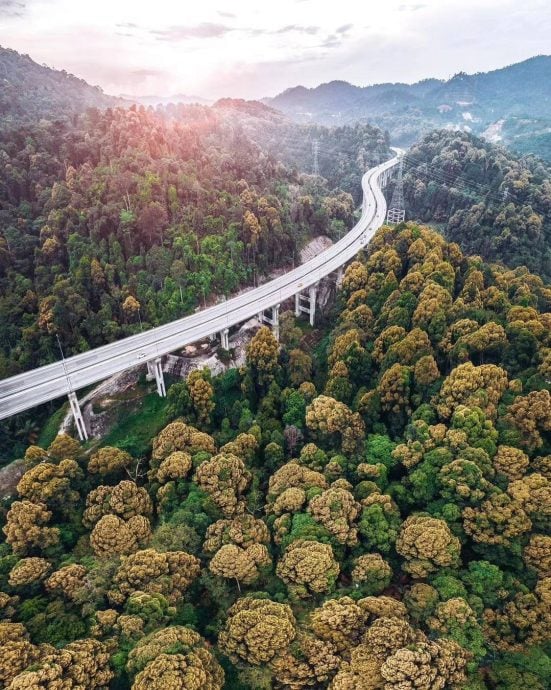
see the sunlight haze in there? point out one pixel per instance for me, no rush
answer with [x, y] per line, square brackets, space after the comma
[213, 49]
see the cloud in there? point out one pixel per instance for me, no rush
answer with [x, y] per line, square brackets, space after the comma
[184, 33]
[145, 72]
[243, 80]
[331, 41]
[310, 30]
[227, 15]
[344, 29]
[411, 7]
[12, 8]
[117, 78]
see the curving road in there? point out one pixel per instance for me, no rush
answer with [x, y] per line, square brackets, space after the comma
[24, 391]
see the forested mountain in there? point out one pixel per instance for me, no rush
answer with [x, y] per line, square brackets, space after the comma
[29, 91]
[515, 100]
[129, 218]
[166, 100]
[344, 153]
[489, 201]
[117, 219]
[365, 508]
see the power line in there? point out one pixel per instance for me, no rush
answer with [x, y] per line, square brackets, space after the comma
[448, 176]
[462, 186]
[470, 189]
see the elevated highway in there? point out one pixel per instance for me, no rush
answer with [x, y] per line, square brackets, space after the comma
[27, 390]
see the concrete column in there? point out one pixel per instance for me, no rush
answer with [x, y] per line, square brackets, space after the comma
[275, 321]
[77, 416]
[224, 339]
[159, 377]
[297, 304]
[260, 317]
[340, 272]
[312, 291]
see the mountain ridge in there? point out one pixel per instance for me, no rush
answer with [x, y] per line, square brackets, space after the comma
[31, 91]
[468, 102]
[379, 85]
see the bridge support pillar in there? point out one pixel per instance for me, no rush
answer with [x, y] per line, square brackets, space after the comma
[306, 304]
[225, 339]
[157, 366]
[273, 321]
[340, 272]
[77, 416]
[312, 294]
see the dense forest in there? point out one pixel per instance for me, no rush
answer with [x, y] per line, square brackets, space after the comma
[29, 91]
[344, 153]
[130, 218]
[365, 507]
[490, 201]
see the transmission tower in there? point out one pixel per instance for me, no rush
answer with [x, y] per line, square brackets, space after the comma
[315, 151]
[396, 209]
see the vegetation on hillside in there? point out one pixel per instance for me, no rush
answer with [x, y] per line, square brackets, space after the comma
[372, 513]
[126, 219]
[489, 201]
[30, 91]
[513, 99]
[344, 153]
[132, 216]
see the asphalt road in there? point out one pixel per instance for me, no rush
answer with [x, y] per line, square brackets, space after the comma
[24, 391]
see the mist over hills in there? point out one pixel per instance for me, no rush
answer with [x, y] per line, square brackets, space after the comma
[512, 105]
[155, 100]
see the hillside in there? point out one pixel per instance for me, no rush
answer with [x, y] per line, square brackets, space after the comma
[29, 91]
[126, 219]
[344, 153]
[515, 100]
[490, 201]
[365, 507]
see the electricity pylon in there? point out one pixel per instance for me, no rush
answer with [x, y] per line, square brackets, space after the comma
[396, 210]
[315, 150]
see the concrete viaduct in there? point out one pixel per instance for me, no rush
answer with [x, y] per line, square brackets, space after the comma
[27, 390]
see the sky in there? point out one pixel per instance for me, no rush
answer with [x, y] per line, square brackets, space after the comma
[251, 48]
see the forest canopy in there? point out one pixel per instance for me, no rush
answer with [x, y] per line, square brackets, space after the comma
[130, 218]
[489, 200]
[367, 510]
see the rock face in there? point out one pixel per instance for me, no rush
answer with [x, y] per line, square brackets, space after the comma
[99, 397]
[315, 247]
